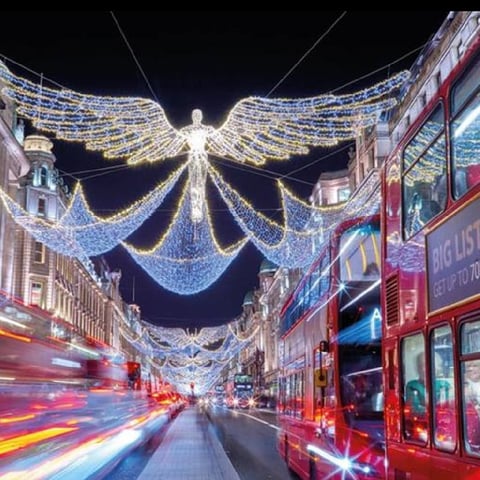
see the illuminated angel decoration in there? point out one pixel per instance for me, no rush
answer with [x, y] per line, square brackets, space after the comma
[256, 130]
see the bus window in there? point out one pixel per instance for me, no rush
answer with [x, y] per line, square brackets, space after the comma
[465, 130]
[432, 127]
[467, 85]
[471, 405]
[470, 368]
[299, 394]
[294, 388]
[360, 254]
[471, 337]
[424, 165]
[415, 388]
[359, 348]
[444, 410]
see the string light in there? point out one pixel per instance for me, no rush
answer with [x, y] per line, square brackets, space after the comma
[409, 255]
[256, 129]
[291, 245]
[79, 232]
[200, 355]
[188, 259]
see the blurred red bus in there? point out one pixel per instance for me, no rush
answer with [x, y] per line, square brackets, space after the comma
[26, 359]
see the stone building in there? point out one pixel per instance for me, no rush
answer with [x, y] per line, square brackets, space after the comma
[70, 289]
[14, 165]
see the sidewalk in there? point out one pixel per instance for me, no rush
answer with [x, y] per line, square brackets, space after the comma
[189, 451]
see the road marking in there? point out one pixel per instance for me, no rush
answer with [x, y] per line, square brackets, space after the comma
[257, 419]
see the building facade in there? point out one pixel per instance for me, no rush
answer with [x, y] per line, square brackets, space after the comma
[331, 188]
[70, 289]
[14, 165]
[275, 287]
[83, 294]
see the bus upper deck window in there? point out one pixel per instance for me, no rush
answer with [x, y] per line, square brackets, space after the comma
[424, 165]
[465, 131]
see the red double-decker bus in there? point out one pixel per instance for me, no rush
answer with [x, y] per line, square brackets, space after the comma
[431, 281]
[331, 395]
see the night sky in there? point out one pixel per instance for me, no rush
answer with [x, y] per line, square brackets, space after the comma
[208, 61]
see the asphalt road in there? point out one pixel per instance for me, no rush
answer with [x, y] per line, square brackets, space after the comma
[249, 439]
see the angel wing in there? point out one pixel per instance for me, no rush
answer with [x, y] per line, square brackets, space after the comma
[136, 128]
[258, 128]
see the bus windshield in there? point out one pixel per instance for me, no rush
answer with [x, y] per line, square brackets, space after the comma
[243, 385]
[360, 253]
[359, 346]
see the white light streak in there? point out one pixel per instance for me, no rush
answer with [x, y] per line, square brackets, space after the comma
[360, 295]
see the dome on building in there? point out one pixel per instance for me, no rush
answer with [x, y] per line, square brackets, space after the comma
[248, 299]
[37, 143]
[267, 266]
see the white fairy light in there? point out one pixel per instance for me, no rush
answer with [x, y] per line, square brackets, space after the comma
[200, 355]
[188, 259]
[79, 232]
